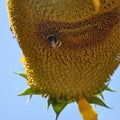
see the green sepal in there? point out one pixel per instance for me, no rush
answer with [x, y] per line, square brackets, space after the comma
[28, 91]
[58, 105]
[96, 100]
[101, 95]
[50, 101]
[29, 98]
[24, 75]
[110, 90]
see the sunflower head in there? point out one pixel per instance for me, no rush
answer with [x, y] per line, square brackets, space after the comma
[70, 52]
[70, 47]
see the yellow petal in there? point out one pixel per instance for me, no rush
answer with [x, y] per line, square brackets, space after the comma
[87, 112]
[96, 4]
[22, 59]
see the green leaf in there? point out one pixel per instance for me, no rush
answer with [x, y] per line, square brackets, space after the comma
[58, 105]
[97, 100]
[28, 91]
[24, 75]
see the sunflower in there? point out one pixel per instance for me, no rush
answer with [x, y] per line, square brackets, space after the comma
[70, 48]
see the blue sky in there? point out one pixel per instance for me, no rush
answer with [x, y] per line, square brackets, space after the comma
[13, 107]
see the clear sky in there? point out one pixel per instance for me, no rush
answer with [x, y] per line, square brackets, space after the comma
[13, 107]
